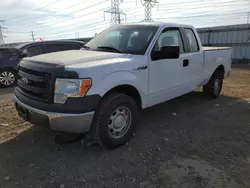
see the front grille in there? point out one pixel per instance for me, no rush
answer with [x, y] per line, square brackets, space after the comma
[34, 84]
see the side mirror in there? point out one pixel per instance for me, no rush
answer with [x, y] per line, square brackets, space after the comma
[167, 52]
[22, 55]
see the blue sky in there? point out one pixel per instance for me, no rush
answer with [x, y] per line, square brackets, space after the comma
[57, 19]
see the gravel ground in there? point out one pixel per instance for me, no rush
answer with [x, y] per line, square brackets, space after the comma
[189, 142]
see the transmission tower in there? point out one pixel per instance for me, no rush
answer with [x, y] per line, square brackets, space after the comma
[115, 12]
[2, 28]
[149, 4]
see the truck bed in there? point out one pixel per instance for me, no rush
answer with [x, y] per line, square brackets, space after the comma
[214, 57]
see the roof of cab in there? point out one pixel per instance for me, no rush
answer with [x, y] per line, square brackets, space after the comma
[159, 24]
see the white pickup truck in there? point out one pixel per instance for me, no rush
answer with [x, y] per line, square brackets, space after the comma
[100, 89]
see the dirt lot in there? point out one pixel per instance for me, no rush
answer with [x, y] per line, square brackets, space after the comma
[189, 142]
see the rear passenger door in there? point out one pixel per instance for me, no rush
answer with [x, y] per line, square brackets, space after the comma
[193, 72]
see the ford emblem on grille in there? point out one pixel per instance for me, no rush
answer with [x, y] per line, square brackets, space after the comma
[25, 80]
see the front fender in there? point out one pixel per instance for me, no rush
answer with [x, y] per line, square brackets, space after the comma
[111, 80]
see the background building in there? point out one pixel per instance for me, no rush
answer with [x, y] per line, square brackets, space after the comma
[236, 36]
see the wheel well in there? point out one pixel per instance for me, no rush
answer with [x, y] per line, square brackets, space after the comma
[130, 91]
[221, 69]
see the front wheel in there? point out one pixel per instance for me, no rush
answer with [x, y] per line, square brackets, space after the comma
[7, 78]
[115, 120]
[214, 86]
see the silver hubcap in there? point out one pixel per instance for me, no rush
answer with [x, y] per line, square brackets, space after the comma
[217, 86]
[119, 122]
[7, 78]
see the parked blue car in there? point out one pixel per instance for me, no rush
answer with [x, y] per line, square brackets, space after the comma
[11, 54]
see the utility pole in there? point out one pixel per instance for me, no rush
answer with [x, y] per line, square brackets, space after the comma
[2, 28]
[32, 36]
[115, 12]
[149, 4]
[248, 17]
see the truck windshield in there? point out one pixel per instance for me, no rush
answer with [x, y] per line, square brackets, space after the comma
[132, 39]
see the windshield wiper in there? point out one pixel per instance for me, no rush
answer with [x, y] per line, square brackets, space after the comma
[110, 48]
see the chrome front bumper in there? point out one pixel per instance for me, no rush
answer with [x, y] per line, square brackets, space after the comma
[61, 122]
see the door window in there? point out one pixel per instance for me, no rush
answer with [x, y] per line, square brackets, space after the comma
[32, 51]
[193, 44]
[168, 38]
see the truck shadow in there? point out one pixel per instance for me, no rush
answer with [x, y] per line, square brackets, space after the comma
[183, 127]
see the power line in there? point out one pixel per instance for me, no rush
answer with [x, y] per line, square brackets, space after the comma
[83, 26]
[196, 6]
[34, 28]
[85, 9]
[227, 13]
[193, 7]
[181, 18]
[214, 22]
[48, 29]
[34, 10]
[53, 13]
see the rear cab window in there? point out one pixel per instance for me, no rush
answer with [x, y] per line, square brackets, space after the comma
[193, 45]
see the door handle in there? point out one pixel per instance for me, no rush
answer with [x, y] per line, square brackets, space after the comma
[185, 62]
[141, 68]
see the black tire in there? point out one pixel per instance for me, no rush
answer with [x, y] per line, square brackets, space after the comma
[210, 89]
[9, 72]
[101, 123]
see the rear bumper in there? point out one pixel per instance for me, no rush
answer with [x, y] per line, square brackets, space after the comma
[61, 122]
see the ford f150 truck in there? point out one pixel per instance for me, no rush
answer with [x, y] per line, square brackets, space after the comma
[100, 89]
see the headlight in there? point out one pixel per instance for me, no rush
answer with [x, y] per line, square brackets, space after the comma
[65, 88]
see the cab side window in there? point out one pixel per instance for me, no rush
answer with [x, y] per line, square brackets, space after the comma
[168, 38]
[193, 44]
[32, 51]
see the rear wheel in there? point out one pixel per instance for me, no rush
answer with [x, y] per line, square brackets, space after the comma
[214, 86]
[115, 120]
[7, 78]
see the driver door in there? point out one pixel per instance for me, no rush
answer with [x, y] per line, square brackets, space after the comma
[165, 75]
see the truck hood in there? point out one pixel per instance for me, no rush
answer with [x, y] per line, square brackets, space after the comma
[74, 57]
